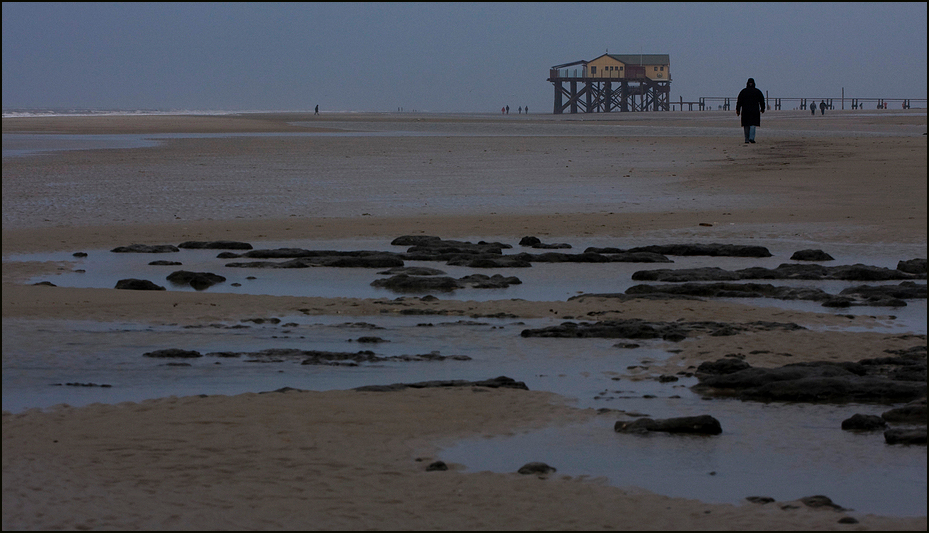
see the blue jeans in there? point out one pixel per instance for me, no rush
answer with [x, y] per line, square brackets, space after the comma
[749, 133]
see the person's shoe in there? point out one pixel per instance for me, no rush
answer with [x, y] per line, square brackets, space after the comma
[753, 142]
[746, 142]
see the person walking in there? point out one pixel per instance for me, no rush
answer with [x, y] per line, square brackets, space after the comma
[316, 111]
[813, 107]
[750, 105]
[822, 107]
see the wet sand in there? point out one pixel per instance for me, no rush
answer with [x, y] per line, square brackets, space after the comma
[348, 460]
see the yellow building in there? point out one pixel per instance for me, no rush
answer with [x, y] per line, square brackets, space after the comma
[630, 66]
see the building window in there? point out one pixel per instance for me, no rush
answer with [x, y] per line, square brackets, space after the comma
[593, 69]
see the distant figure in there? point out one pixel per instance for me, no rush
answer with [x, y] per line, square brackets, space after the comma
[750, 106]
[822, 107]
[503, 110]
[813, 107]
[527, 109]
[520, 110]
[507, 110]
[316, 111]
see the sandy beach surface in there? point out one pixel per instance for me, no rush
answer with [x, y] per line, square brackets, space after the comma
[345, 459]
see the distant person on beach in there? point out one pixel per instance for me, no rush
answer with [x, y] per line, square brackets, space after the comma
[520, 110]
[503, 110]
[750, 106]
[813, 107]
[507, 110]
[822, 107]
[316, 111]
[527, 109]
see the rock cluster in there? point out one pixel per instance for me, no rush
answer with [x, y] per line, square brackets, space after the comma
[697, 425]
[493, 383]
[870, 295]
[635, 328]
[881, 380]
[307, 357]
[856, 272]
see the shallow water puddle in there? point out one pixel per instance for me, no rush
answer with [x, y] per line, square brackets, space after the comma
[540, 282]
[38, 354]
[776, 450]
[783, 451]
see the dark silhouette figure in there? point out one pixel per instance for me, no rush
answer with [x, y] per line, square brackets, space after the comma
[822, 107]
[750, 106]
[813, 107]
[316, 111]
[507, 110]
[527, 109]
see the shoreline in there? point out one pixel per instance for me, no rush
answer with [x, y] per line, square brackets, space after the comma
[352, 460]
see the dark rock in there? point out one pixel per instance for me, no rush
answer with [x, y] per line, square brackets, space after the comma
[165, 263]
[437, 466]
[882, 295]
[848, 520]
[412, 271]
[320, 357]
[145, 249]
[79, 254]
[760, 499]
[811, 255]
[407, 283]
[370, 340]
[534, 242]
[911, 413]
[906, 290]
[855, 272]
[701, 425]
[820, 502]
[415, 240]
[174, 353]
[197, 280]
[490, 262]
[480, 281]
[47, 284]
[905, 436]
[635, 328]
[687, 274]
[494, 383]
[811, 382]
[215, 245]
[860, 422]
[282, 390]
[712, 250]
[138, 285]
[728, 365]
[913, 266]
[536, 468]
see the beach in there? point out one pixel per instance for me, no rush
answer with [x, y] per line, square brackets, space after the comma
[346, 459]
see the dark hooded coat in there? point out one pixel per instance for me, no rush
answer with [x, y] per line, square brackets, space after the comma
[750, 104]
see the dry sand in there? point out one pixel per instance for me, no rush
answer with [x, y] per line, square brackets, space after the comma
[351, 460]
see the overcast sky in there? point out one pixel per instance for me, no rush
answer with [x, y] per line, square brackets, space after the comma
[460, 57]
